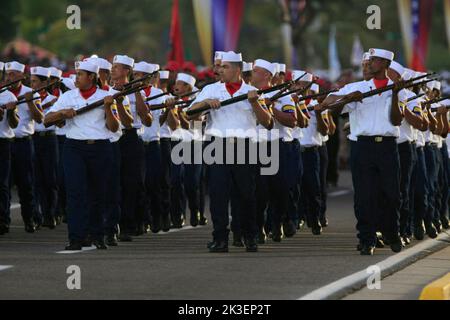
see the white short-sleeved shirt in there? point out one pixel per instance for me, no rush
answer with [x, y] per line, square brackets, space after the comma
[152, 133]
[349, 88]
[371, 117]
[311, 136]
[5, 130]
[326, 137]
[26, 122]
[407, 131]
[237, 120]
[115, 136]
[285, 104]
[87, 126]
[39, 127]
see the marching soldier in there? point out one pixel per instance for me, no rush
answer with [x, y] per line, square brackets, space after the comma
[235, 125]
[8, 121]
[46, 152]
[22, 148]
[87, 155]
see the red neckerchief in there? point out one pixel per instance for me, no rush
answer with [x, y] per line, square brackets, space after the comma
[43, 95]
[308, 101]
[185, 98]
[380, 83]
[56, 92]
[147, 91]
[233, 87]
[86, 94]
[16, 91]
[105, 87]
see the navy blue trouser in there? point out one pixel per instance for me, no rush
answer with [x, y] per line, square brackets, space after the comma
[87, 168]
[177, 196]
[353, 152]
[377, 182]
[5, 172]
[445, 181]
[405, 150]
[192, 178]
[166, 166]
[242, 178]
[132, 172]
[22, 152]
[46, 166]
[61, 206]
[323, 154]
[412, 191]
[153, 178]
[310, 197]
[294, 211]
[113, 204]
[420, 176]
[432, 164]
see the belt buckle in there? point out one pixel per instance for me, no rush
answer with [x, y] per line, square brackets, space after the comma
[90, 141]
[378, 139]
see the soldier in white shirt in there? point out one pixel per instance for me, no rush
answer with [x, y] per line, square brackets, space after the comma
[8, 121]
[22, 147]
[235, 124]
[87, 156]
[376, 159]
[46, 153]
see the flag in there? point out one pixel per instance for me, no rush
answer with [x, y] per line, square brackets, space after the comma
[357, 52]
[447, 20]
[421, 22]
[176, 39]
[333, 57]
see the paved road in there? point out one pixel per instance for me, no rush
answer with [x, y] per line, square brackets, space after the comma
[177, 265]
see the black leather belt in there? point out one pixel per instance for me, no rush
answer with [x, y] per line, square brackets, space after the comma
[376, 139]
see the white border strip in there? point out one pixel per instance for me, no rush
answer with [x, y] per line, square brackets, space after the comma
[361, 276]
[5, 267]
[84, 249]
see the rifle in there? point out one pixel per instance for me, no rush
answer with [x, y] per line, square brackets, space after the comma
[430, 102]
[19, 98]
[129, 84]
[5, 87]
[19, 102]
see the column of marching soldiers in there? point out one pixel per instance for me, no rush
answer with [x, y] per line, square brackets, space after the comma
[95, 151]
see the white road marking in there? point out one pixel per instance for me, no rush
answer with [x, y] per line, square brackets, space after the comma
[84, 249]
[339, 193]
[361, 276]
[5, 267]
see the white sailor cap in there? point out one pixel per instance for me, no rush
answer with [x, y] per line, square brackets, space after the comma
[437, 85]
[397, 67]
[164, 74]
[247, 66]
[276, 67]
[282, 67]
[40, 71]
[2, 64]
[381, 53]
[366, 56]
[69, 83]
[156, 66]
[102, 64]
[187, 78]
[122, 59]
[231, 56]
[218, 55]
[86, 66]
[54, 72]
[144, 67]
[315, 87]
[15, 66]
[308, 77]
[408, 74]
[261, 63]
[419, 74]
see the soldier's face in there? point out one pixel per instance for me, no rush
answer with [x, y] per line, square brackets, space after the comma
[377, 64]
[139, 75]
[118, 71]
[84, 80]
[216, 69]
[228, 72]
[13, 76]
[181, 87]
[36, 82]
[367, 74]
[259, 75]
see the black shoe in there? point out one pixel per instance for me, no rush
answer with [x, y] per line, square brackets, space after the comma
[111, 241]
[406, 240]
[210, 244]
[58, 220]
[445, 223]
[438, 226]
[237, 240]
[49, 223]
[178, 223]
[203, 221]
[251, 246]
[380, 243]
[165, 225]
[419, 231]
[316, 228]
[4, 229]
[396, 244]
[139, 230]
[125, 237]
[74, 246]
[277, 234]
[147, 228]
[64, 219]
[324, 222]
[262, 237]
[219, 246]
[86, 242]
[30, 227]
[431, 230]
[300, 224]
[367, 250]
[195, 218]
[289, 229]
[100, 244]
